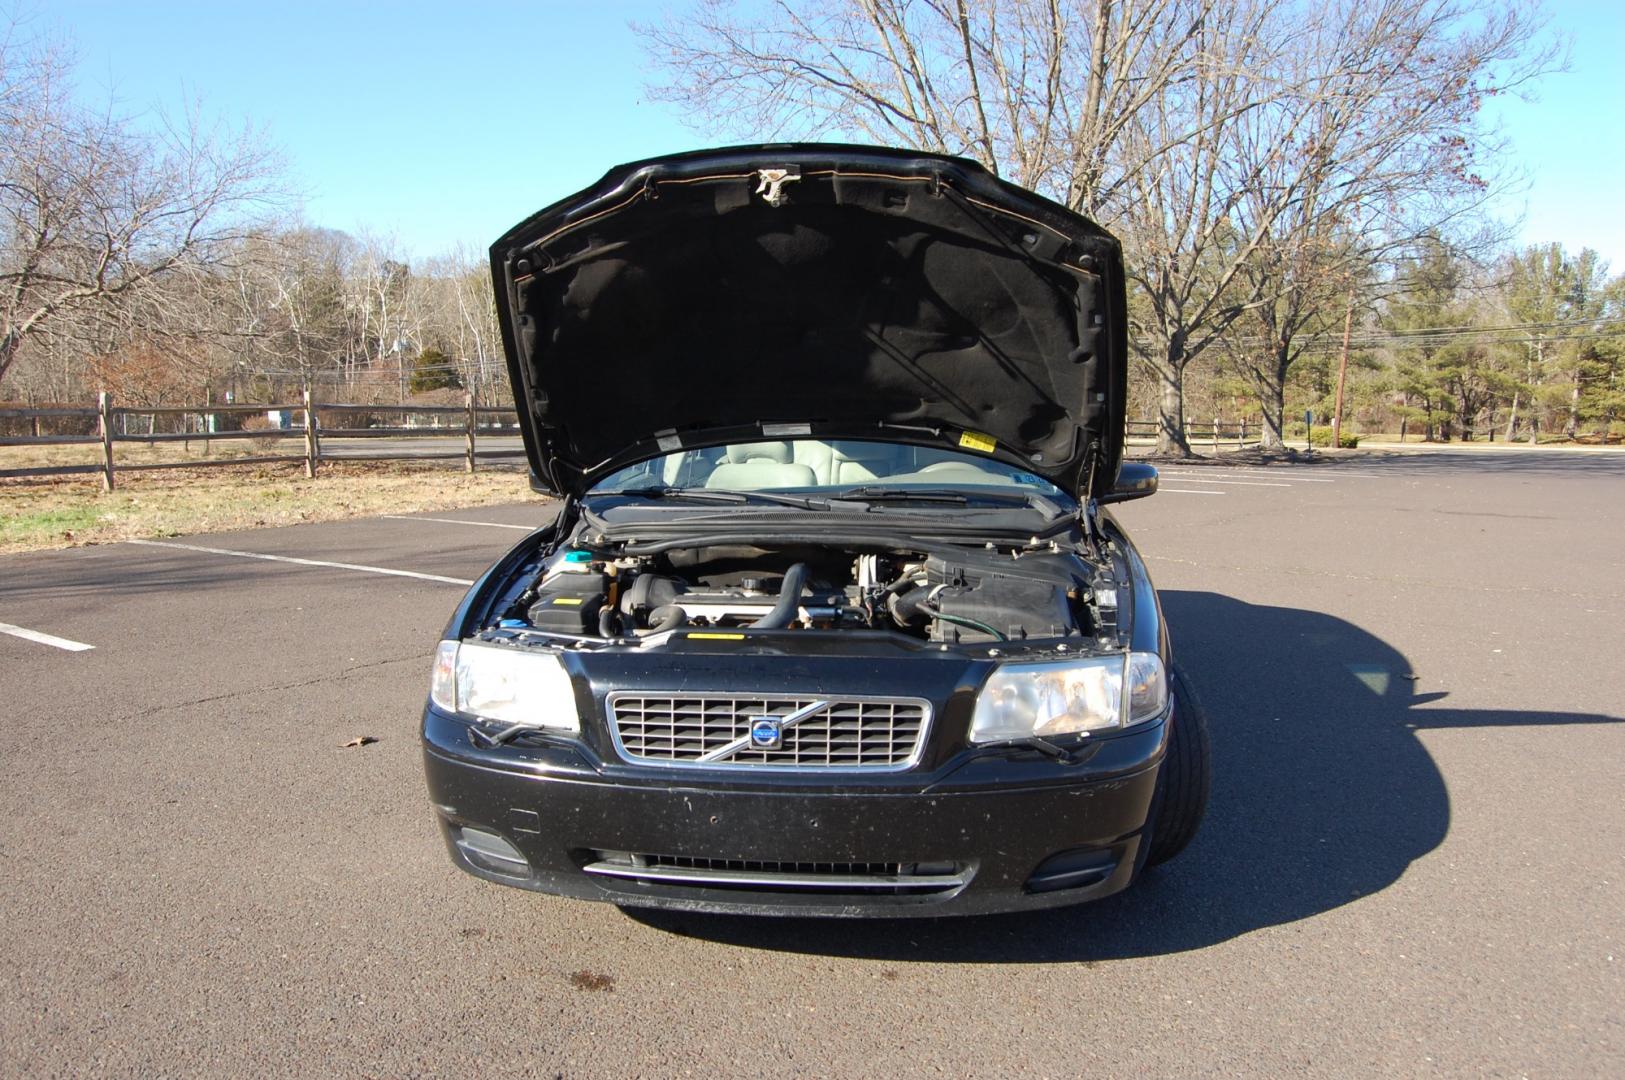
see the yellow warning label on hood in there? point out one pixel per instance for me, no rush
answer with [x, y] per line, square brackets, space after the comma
[975, 440]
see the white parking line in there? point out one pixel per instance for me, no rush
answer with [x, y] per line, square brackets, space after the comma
[1243, 483]
[1201, 473]
[1189, 491]
[44, 639]
[303, 562]
[1338, 471]
[1322, 473]
[458, 521]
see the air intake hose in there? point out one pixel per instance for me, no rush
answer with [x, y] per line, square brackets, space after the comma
[789, 603]
[669, 617]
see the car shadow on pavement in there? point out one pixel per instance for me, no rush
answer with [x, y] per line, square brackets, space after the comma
[1322, 794]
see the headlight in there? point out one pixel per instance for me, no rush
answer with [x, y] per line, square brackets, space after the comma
[1073, 696]
[510, 685]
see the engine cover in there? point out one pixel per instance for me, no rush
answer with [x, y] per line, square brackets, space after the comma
[1017, 606]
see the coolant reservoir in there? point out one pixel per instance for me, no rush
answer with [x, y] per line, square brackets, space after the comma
[573, 562]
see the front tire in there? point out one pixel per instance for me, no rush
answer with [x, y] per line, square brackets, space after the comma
[1186, 776]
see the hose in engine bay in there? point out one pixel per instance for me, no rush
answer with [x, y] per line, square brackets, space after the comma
[906, 604]
[789, 602]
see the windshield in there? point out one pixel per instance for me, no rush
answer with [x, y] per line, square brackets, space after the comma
[802, 465]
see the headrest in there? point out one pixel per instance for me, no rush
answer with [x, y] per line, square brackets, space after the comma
[776, 452]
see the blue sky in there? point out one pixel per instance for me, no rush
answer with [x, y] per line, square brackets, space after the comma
[442, 124]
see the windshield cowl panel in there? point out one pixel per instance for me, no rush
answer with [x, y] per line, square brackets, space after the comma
[611, 520]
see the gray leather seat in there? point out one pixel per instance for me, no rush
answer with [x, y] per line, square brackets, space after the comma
[833, 466]
[750, 466]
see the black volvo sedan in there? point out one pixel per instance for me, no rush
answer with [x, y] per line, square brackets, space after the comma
[831, 619]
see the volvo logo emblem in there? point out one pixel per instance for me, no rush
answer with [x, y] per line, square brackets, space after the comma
[766, 733]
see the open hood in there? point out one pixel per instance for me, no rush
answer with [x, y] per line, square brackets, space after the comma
[817, 291]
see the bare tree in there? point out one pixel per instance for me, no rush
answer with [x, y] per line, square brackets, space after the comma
[456, 310]
[1391, 148]
[305, 291]
[1185, 223]
[380, 291]
[1306, 293]
[1040, 91]
[96, 206]
[481, 336]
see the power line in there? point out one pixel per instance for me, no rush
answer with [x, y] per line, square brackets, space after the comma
[1556, 324]
[1513, 334]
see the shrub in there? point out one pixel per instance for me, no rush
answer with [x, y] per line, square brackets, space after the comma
[267, 443]
[342, 419]
[433, 370]
[1322, 436]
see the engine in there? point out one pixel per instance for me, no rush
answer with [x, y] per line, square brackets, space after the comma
[960, 595]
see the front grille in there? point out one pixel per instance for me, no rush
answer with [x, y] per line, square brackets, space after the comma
[893, 878]
[769, 866]
[714, 731]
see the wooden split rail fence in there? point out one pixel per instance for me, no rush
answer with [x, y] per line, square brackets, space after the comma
[111, 427]
[1215, 435]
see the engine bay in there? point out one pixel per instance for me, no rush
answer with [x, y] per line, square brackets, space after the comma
[948, 594]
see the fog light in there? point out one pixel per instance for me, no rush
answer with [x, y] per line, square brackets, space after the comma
[490, 852]
[1074, 869]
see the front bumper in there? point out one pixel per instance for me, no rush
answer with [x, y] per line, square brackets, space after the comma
[995, 830]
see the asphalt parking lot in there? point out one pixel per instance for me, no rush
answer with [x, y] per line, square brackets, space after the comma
[1412, 863]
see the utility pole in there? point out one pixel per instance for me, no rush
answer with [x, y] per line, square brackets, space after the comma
[1342, 376]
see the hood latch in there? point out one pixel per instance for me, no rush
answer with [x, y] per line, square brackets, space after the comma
[772, 181]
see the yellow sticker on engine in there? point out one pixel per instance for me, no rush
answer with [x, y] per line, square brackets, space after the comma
[975, 440]
[715, 637]
[572, 601]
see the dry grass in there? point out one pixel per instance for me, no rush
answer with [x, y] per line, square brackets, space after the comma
[40, 457]
[67, 511]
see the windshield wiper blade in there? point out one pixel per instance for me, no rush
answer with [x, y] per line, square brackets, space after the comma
[695, 494]
[882, 493]
[879, 493]
[724, 495]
